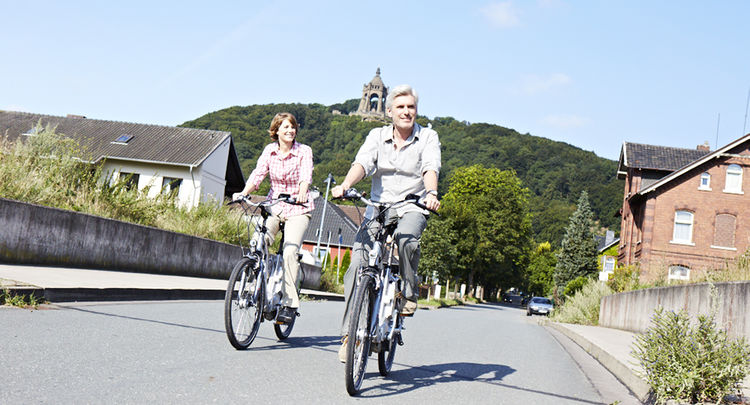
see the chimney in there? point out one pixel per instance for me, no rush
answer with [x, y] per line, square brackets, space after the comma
[706, 147]
[75, 116]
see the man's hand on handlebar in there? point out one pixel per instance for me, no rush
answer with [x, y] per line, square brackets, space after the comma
[432, 202]
[337, 191]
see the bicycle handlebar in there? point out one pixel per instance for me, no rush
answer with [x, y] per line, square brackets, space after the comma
[354, 194]
[286, 198]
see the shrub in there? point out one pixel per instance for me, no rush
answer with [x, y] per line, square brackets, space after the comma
[690, 363]
[575, 285]
[328, 281]
[624, 279]
[583, 307]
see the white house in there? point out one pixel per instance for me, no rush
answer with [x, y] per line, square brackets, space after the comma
[198, 164]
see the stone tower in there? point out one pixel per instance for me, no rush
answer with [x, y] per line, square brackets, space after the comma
[372, 104]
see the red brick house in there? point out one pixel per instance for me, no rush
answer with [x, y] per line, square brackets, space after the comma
[684, 211]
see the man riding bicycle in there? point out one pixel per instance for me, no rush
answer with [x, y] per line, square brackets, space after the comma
[403, 158]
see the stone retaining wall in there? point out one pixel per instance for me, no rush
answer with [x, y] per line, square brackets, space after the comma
[33, 234]
[633, 310]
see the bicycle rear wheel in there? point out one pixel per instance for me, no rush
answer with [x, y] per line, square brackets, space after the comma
[388, 352]
[243, 304]
[358, 346]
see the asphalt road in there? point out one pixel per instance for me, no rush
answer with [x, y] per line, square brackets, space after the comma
[177, 352]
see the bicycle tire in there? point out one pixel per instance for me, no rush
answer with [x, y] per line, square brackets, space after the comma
[358, 346]
[388, 352]
[284, 330]
[240, 323]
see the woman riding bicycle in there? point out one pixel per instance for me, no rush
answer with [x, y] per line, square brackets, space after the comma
[289, 165]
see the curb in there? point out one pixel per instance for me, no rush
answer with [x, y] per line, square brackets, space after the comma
[138, 294]
[636, 384]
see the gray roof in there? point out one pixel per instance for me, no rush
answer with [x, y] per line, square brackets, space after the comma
[652, 157]
[335, 219]
[740, 143]
[149, 143]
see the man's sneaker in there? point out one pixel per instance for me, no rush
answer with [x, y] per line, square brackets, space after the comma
[342, 349]
[286, 314]
[409, 308]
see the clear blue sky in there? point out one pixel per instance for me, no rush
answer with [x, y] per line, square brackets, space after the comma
[590, 73]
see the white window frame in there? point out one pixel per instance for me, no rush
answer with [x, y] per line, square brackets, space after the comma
[168, 184]
[681, 219]
[705, 181]
[681, 277]
[608, 263]
[134, 175]
[733, 184]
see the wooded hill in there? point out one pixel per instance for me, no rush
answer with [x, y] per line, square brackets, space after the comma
[554, 172]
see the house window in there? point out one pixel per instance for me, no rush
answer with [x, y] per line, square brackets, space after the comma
[705, 182]
[724, 231]
[34, 131]
[130, 180]
[678, 272]
[122, 139]
[683, 227]
[608, 263]
[734, 179]
[171, 185]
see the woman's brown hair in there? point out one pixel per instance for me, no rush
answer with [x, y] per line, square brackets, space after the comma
[279, 119]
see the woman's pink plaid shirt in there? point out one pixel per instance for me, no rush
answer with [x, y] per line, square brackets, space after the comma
[285, 174]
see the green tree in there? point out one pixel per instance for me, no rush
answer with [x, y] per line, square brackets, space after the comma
[541, 270]
[489, 214]
[578, 256]
[439, 253]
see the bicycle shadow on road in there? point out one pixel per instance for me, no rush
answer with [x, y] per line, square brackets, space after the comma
[412, 378]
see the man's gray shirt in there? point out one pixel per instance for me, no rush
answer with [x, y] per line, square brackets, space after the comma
[397, 173]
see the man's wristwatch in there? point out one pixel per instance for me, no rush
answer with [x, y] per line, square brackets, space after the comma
[433, 192]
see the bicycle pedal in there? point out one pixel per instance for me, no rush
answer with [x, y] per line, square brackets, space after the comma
[399, 340]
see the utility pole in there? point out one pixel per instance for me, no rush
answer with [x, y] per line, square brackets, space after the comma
[328, 181]
[338, 268]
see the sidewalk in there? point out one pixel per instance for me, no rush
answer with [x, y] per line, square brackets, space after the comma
[62, 284]
[612, 348]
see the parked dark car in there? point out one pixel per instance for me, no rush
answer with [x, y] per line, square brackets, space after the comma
[539, 305]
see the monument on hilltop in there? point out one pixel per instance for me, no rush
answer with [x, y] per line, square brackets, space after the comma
[372, 103]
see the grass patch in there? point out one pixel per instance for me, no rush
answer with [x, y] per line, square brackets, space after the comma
[49, 169]
[440, 303]
[16, 300]
[583, 307]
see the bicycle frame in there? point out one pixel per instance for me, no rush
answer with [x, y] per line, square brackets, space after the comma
[270, 265]
[383, 324]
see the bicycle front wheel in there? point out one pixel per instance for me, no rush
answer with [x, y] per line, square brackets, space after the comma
[388, 351]
[285, 329]
[358, 344]
[243, 304]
